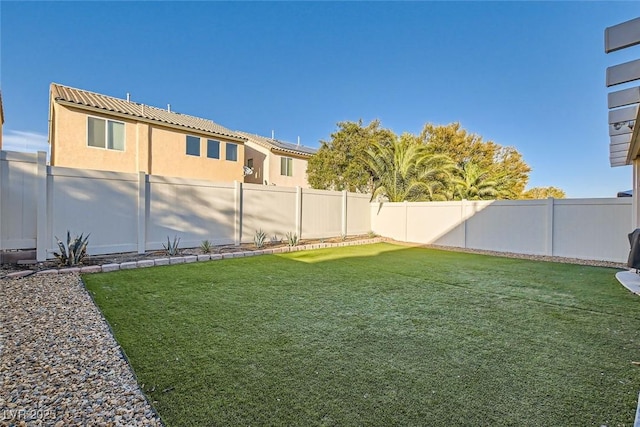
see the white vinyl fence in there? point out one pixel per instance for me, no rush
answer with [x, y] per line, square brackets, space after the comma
[593, 229]
[127, 212]
[137, 212]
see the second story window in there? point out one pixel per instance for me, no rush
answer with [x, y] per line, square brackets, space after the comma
[286, 166]
[232, 152]
[193, 145]
[102, 133]
[213, 149]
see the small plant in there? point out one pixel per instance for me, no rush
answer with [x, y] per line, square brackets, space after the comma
[171, 248]
[205, 247]
[371, 234]
[259, 238]
[275, 239]
[292, 239]
[74, 251]
[343, 237]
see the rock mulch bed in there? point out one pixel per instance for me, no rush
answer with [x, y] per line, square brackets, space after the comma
[132, 262]
[60, 364]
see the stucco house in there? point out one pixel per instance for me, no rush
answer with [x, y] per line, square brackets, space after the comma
[93, 131]
[276, 162]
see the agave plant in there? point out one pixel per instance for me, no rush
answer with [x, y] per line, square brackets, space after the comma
[259, 238]
[74, 251]
[292, 239]
[205, 247]
[171, 248]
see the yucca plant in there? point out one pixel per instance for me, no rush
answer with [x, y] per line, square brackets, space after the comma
[74, 251]
[205, 247]
[292, 239]
[171, 248]
[259, 238]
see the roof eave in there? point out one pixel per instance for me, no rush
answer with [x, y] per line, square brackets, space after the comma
[634, 147]
[146, 120]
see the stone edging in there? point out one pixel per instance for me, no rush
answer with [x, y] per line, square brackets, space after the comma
[105, 268]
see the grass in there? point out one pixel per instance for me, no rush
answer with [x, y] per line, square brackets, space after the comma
[378, 335]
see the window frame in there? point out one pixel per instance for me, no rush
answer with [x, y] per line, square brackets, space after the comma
[106, 134]
[187, 145]
[226, 151]
[286, 164]
[209, 141]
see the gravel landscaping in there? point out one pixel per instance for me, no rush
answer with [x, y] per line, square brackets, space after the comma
[60, 364]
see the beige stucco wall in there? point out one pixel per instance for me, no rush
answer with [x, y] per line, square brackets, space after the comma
[266, 165]
[299, 178]
[70, 150]
[169, 157]
[150, 148]
[260, 165]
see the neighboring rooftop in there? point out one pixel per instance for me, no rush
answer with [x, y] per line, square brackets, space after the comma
[98, 101]
[281, 146]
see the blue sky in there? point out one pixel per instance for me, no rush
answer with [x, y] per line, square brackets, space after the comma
[523, 74]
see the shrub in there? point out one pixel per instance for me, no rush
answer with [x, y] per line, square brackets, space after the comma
[259, 238]
[74, 251]
[292, 239]
[205, 247]
[171, 248]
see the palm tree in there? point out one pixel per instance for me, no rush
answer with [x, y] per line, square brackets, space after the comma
[404, 170]
[475, 183]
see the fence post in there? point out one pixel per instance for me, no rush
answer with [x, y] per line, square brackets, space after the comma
[343, 227]
[299, 212]
[549, 225]
[463, 219]
[142, 204]
[41, 207]
[406, 221]
[238, 211]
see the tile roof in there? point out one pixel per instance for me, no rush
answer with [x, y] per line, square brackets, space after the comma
[134, 109]
[277, 145]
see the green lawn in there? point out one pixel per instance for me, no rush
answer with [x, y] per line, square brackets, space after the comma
[378, 335]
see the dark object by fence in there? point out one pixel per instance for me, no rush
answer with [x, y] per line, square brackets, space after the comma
[634, 253]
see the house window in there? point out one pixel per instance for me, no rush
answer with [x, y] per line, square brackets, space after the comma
[286, 166]
[193, 145]
[213, 149]
[103, 133]
[250, 163]
[232, 152]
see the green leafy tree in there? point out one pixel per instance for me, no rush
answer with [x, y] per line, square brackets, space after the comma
[544, 193]
[339, 163]
[475, 183]
[501, 165]
[405, 170]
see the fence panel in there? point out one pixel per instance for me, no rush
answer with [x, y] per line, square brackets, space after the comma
[321, 214]
[189, 209]
[592, 228]
[507, 226]
[103, 204]
[439, 223]
[269, 208]
[18, 190]
[358, 218]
